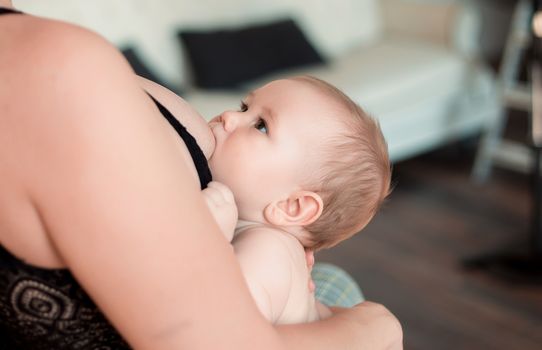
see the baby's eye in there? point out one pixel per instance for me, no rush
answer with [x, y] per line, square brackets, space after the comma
[261, 126]
[243, 107]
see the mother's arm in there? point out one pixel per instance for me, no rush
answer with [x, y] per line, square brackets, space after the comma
[118, 203]
[126, 215]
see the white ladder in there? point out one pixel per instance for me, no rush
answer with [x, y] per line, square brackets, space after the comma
[512, 94]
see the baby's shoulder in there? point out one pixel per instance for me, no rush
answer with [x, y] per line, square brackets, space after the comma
[270, 242]
[260, 234]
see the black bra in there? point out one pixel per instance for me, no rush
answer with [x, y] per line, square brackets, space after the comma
[197, 154]
[5, 11]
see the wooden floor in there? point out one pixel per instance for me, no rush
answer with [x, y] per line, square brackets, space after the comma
[410, 257]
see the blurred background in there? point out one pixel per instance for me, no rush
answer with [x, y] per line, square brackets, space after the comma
[449, 81]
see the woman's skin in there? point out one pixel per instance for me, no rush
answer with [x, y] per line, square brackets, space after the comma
[92, 179]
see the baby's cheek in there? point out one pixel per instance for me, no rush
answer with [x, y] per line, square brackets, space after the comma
[249, 190]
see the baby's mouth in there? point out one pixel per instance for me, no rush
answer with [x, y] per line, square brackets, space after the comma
[214, 125]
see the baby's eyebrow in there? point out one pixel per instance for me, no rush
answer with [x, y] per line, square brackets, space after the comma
[271, 114]
[268, 111]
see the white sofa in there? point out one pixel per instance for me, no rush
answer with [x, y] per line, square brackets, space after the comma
[413, 64]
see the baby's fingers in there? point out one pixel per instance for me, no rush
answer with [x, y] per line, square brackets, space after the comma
[222, 190]
[212, 196]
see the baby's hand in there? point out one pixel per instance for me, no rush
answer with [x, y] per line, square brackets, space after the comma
[222, 205]
[309, 258]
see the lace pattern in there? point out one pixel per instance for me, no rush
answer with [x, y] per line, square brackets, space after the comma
[47, 309]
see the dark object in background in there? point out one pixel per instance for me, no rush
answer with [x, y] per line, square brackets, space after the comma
[141, 69]
[523, 264]
[226, 58]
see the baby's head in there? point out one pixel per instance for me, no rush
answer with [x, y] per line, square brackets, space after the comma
[300, 155]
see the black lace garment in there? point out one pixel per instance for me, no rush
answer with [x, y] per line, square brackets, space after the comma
[46, 309]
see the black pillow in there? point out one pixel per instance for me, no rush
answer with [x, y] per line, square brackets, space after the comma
[141, 69]
[229, 57]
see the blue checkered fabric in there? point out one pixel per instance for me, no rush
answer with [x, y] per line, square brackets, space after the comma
[335, 287]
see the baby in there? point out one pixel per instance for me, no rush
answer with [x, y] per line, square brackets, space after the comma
[298, 166]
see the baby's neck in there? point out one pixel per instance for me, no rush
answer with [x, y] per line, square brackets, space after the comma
[297, 232]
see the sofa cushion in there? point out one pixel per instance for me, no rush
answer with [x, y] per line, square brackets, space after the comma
[397, 72]
[228, 57]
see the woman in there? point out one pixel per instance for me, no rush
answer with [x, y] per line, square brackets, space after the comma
[92, 186]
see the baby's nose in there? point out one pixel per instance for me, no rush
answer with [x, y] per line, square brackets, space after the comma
[217, 119]
[230, 120]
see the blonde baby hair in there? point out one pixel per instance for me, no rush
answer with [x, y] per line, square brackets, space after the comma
[355, 176]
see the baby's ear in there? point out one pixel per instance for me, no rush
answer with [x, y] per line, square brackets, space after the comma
[301, 208]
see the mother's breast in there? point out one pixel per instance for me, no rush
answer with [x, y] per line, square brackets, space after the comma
[186, 114]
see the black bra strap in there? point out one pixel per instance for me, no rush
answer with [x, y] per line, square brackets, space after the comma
[5, 11]
[196, 153]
